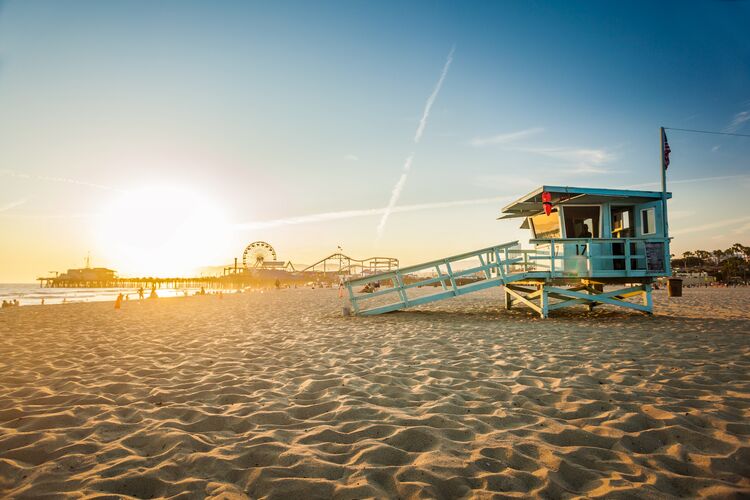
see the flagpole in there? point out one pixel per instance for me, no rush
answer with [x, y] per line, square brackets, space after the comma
[664, 202]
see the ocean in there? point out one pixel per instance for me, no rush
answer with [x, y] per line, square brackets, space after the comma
[29, 294]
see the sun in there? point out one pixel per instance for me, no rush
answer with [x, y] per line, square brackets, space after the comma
[162, 231]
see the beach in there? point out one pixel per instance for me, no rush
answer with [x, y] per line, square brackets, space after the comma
[278, 395]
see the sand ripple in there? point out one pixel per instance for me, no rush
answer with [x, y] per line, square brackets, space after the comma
[276, 395]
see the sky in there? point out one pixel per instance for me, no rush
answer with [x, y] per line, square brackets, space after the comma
[160, 137]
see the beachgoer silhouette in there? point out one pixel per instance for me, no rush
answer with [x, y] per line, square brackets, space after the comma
[153, 293]
[203, 291]
[140, 293]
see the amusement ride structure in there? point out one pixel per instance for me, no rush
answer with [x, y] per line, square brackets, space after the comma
[259, 257]
[341, 264]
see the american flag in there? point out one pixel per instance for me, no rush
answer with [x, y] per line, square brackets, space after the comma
[666, 152]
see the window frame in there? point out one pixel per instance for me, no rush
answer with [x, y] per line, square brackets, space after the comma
[653, 229]
[564, 230]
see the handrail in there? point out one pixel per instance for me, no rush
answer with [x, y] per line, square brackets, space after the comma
[598, 240]
[425, 265]
[446, 276]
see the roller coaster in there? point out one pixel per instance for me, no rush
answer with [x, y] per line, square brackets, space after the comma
[261, 256]
[338, 264]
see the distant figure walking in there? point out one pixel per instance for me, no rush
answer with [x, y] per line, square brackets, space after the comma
[42, 301]
[140, 293]
[153, 293]
[118, 301]
[203, 291]
[277, 283]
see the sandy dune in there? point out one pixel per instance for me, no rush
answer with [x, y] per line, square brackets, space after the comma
[276, 395]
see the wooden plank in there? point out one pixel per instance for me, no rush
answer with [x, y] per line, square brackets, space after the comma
[401, 291]
[450, 275]
[523, 299]
[426, 265]
[604, 298]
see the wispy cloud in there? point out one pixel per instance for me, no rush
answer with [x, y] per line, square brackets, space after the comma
[396, 191]
[584, 160]
[715, 148]
[689, 181]
[433, 96]
[351, 157]
[737, 122]
[49, 216]
[20, 175]
[712, 225]
[505, 138]
[350, 214]
[11, 205]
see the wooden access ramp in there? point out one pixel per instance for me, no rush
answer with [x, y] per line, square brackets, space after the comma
[529, 278]
[452, 276]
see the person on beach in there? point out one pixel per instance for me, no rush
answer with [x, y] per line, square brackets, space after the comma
[140, 293]
[5, 304]
[153, 293]
[203, 291]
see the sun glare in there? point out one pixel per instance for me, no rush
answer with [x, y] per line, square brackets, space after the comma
[162, 231]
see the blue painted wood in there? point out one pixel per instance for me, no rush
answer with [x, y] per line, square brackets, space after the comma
[510, 264]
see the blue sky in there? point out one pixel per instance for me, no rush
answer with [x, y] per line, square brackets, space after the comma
[273, 113]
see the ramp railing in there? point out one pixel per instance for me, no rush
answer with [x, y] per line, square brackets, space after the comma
[453, 276]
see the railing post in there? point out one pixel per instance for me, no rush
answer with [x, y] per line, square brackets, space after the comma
[450, 276]
[401, 292]
[551, 258]
[352, 298]
[500, 263]
[440, 275]
[627, 257]
[485, 267]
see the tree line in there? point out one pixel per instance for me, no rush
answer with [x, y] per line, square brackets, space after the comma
[724, 264]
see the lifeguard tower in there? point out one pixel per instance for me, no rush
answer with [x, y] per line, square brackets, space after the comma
[582, 239]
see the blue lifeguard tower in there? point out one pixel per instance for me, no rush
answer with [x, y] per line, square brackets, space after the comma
[582, 239]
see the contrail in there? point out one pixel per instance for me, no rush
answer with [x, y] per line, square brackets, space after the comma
[349, 214]
[433, 96]
[396, 192]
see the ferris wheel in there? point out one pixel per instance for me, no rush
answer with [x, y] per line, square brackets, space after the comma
[256, 253]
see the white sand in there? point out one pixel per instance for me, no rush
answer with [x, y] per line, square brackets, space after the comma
[277, 395]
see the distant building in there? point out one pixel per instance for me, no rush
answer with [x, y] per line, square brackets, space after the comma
[88, 274]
